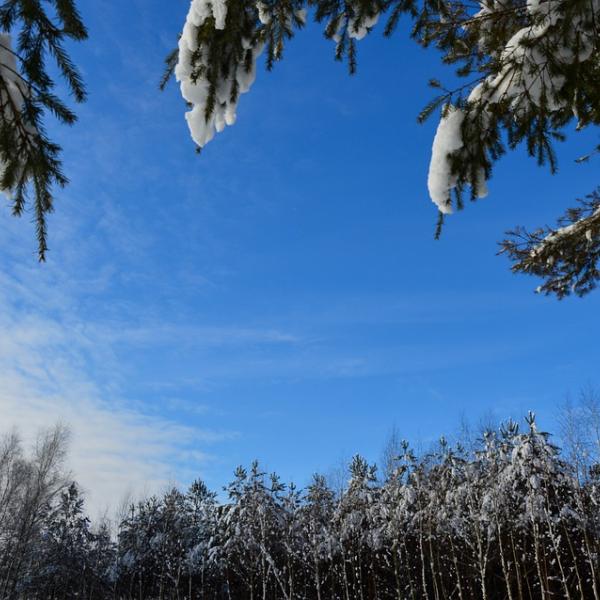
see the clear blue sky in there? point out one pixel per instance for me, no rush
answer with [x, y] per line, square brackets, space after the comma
[281, 296]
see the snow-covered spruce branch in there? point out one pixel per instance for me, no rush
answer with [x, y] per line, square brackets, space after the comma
[535, 78]
[567, 257]
[531, 66]
[218, 50]
[520, 51]
[222, 41]
[30, 165]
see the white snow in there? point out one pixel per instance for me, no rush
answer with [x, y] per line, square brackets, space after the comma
[301, 15]
[526, 75]
[12, 97]
[263, 16]
[447, 139]
[524, 78]
[219, 10]
[358, 32]
[9, 73]
[195, 88]
[574, 229]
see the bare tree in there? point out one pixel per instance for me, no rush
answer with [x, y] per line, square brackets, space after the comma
[31, 485]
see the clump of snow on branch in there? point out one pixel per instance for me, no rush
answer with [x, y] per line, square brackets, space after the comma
[573, 230]
[195, 88]
[357, 28]
[204, 120]
[565, 256]
[526, 74]
[263, 13]
[529, 76]
[13, 91]
[447, 139]
[441, 180]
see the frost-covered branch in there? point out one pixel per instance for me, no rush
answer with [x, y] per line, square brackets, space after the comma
[566, 257]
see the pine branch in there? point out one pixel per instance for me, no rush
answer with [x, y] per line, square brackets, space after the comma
[32, 162]
[566, 257]
[170, 64]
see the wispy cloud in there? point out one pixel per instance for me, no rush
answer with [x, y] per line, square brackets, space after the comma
[51, 373]
[114, 451]
[58, 364]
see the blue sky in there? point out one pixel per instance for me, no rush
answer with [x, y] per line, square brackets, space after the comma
[281, 296]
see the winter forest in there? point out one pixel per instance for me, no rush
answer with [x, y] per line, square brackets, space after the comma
[504, 514]
[183, 295]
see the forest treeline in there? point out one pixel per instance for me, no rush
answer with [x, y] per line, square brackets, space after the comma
[507, 516]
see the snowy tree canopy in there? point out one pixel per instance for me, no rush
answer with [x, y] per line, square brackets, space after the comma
[509, 518]
[30, 163]
[530, 70]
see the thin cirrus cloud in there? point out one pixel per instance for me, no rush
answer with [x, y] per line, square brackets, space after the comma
[115, 449]
[74, 351]
[57, 367]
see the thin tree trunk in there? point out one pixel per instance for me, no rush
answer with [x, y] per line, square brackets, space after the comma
[422, 554]
[538, 561]
[574, 557]
[456, 569]
[557, 554]
[591, 563]
[433, 569]
[397, 572]
[517, 568]
[317, 576]
[505, 569]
